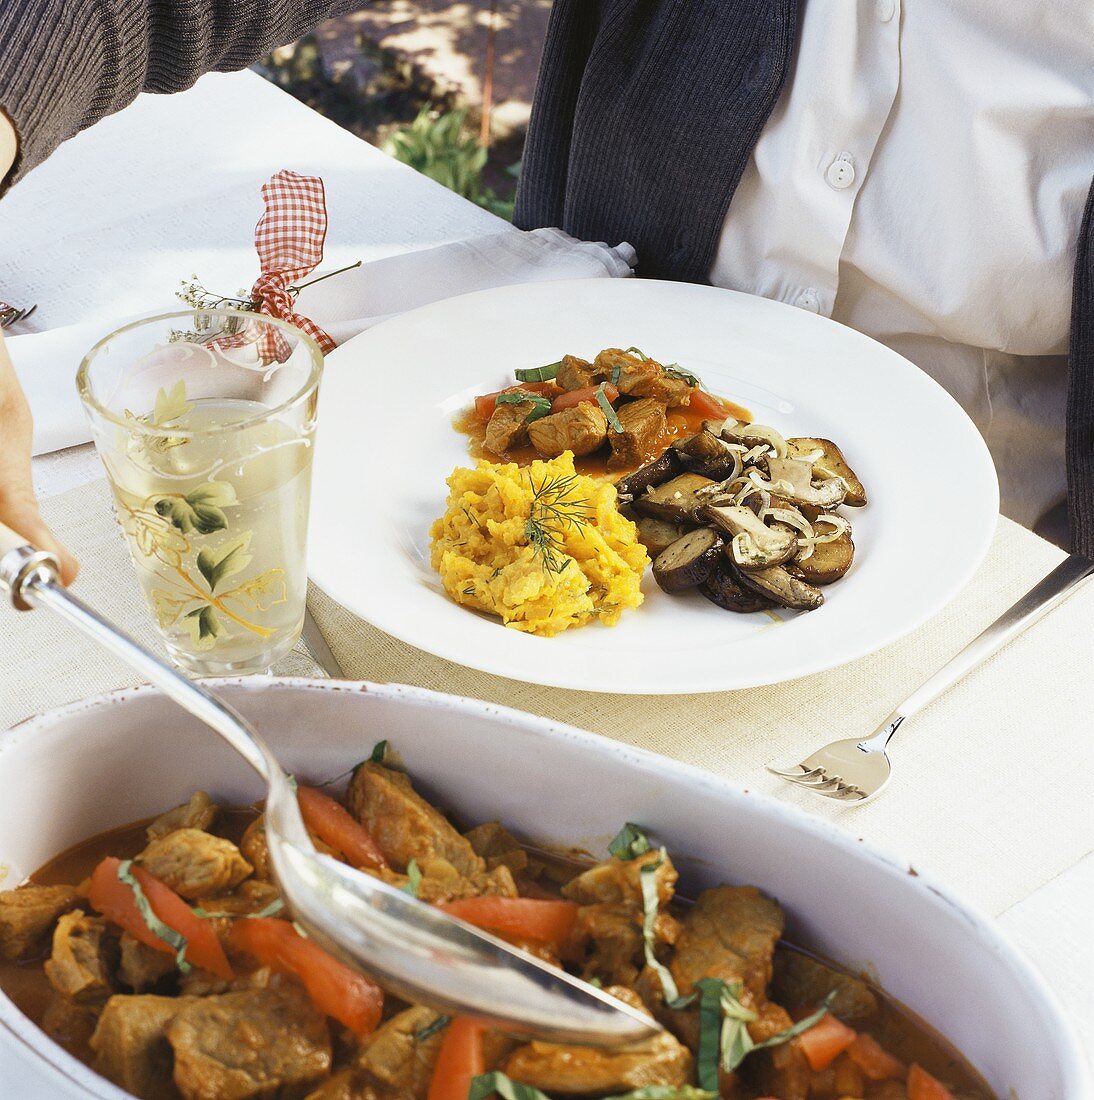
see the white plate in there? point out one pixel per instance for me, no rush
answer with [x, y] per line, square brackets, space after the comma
[386, 446]
[102, 762]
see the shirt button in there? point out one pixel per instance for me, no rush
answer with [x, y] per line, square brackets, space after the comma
[841, 172]
[808, 300]
[885, 9]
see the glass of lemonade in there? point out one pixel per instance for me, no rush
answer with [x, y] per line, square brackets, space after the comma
[205, 422]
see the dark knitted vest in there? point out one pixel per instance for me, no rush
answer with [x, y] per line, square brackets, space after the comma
[645, 115]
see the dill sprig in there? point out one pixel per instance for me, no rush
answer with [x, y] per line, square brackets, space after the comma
[554, 511]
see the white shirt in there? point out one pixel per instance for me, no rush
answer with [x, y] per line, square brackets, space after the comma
[922, 180]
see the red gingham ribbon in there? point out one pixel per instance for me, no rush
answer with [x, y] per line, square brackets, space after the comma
[289, 240]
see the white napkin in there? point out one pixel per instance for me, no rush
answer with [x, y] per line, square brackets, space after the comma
[345, 305]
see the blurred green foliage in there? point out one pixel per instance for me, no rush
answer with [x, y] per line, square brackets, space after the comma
[439, 145]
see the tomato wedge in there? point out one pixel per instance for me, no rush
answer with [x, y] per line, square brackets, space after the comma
[527, 918]
[874, 1061]
[459, 1062]
[922, 1086]
[339, 829]
[488, 402]
[117, 902]
[825, 1041]
[572, 398]
[707, 404]
[335, 989]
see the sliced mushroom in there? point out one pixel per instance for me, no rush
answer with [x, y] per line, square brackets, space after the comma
[830, 464]
[722, 588]
[707, 454]
[689, 560]
[755, 545]
[754, 435]
[653, 473]
[657, 535]
[795, 482]
[781, 587]
[829, 560]
[675, 500]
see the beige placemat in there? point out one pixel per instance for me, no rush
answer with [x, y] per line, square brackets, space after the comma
[992, 786]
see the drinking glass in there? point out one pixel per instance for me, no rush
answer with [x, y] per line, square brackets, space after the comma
[205, 422]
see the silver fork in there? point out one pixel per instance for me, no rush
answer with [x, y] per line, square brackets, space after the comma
[12, 315]
[853, 771]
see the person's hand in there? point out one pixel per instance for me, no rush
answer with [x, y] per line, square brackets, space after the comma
[18, 508]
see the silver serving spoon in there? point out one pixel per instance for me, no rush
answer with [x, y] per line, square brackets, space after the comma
[409, 947]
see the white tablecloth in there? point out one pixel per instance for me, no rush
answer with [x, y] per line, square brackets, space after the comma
[379, 209]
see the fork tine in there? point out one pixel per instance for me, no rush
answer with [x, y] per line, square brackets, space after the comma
[799, 772]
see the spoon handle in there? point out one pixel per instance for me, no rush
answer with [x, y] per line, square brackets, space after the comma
[30, 577]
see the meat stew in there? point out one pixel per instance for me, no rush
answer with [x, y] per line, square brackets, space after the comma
[160, 954]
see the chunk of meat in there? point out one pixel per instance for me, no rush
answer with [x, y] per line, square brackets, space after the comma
[580, 429]
[257, 1043]
[507, 427]
[394, 1056]
[730, 933]
[142, 967]
[131, 1047]
[803, 983]
[614, 942]
[574, 1071]
[615, 881]
[198, 813]
[442, 882]
[638, 377]
[404, 824]
[28, 913]
[84, 958]
[69, 1024]
[643, 423]
[195, 864]
[578, 374]
[247, 899]
[254, 848]
[783, 1070]
[498, 847]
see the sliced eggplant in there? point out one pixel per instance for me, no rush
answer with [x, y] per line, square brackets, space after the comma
[755, 545]
[781, 587]
[674, 501]
[830, 464]
[689, 560]
[657, 535]
[653, 473]
[722, 588]
[829, 560]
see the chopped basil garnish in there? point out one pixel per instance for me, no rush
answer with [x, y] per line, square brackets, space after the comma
[639, 352]
[414, 874]
[378, 753]
[275, 906]
[489, 1083]
[538, 374]
[614, 422]
[291, 780]
[541, 406]
[630, 842]
[300, 931]
[674, 370]
[802, 1025]
[647, 877]
[438, 1024]
[724, 1040]
[486, 1084]
[617, 370]
[162, 931]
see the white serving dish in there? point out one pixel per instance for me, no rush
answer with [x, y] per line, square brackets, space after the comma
[106, 761]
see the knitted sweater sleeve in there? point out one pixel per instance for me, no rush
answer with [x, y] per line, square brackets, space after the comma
[65, 64]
